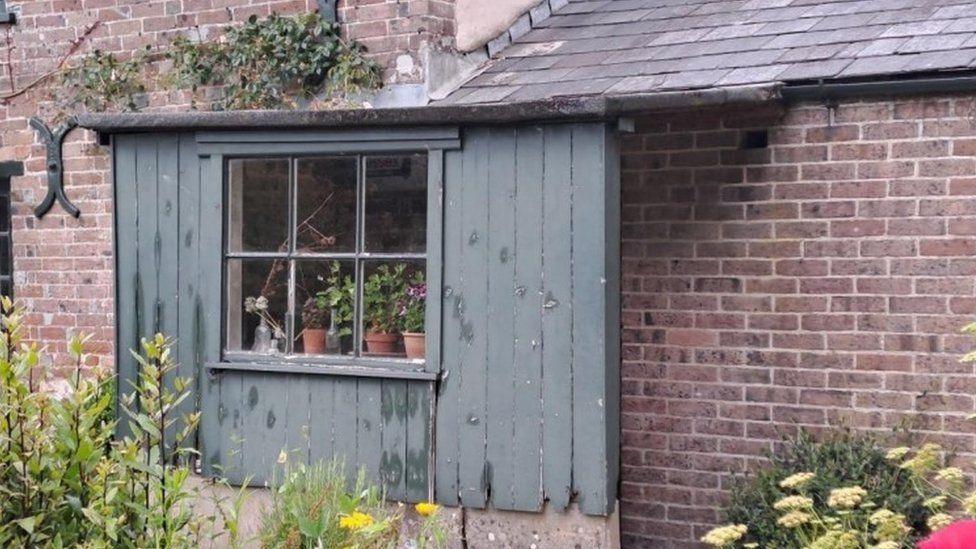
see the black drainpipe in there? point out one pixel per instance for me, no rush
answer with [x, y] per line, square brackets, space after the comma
[829, 91]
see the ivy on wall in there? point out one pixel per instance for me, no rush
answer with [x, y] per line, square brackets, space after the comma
[272, 63]
[102, 82]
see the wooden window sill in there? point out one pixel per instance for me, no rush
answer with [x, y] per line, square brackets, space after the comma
[359, 368]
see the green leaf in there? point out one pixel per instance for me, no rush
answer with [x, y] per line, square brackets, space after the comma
[26, 524]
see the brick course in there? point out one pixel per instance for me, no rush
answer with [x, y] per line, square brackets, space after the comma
[63, 266]
[820, 281]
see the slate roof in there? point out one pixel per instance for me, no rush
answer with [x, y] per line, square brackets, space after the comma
[619, 47]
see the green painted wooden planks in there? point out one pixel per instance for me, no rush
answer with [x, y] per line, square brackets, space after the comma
[527, 412]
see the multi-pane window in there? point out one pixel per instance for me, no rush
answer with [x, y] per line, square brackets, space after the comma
[7, 170]
[325, 255]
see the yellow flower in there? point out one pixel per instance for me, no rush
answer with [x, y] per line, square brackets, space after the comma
[889, 526]
[426, 509]
[846, 498]
[724, 535]
[793, 519]
[950, 475]
[282, 457]
[969, 505]
[925, 461]
[790, 503]
[798, 480]
[939, 521]
[836, 539]
[356, 521]
[935, 502]
[895, 454]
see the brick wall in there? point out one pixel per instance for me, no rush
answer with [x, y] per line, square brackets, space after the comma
[820, 281]
[63, 266]
[395, 30]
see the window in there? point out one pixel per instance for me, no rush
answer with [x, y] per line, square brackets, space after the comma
[6, 16]
[325, 255]
[7, 170]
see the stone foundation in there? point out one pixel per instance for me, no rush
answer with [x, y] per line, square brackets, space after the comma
[469, 528]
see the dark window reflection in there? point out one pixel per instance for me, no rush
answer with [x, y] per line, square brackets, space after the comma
[257, 205]
[326, 221]
[396, 203]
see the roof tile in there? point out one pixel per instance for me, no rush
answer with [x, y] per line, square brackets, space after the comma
[588, 47]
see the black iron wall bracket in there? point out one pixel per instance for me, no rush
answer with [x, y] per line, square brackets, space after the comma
[54, 166]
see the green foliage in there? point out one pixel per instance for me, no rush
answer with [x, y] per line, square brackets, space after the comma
[339, 298]
[268, 63]
[315, 316]
[382, 294]
[414, 303]
[65, 482]
[312, 509]
[50, 450]
[102, 82]
[843, 459]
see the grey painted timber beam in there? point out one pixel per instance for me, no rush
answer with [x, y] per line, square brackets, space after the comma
[577, 108]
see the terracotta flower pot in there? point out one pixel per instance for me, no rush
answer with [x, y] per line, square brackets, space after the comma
[415, 344]
[313, 340]
[381, 343]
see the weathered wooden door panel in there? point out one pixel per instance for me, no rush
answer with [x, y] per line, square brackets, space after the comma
[148, 185]
[527, 406]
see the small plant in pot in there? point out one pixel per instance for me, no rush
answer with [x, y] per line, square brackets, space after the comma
[381, 308]
[338, 298]
[412, 313]
[315, 323]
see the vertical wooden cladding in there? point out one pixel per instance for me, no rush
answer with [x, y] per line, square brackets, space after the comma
[168, 201]
[527, 408]
[149, 174]
[378, 425]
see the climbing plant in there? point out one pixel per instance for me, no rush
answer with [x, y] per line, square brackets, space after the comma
[102, 82]
[273, 63]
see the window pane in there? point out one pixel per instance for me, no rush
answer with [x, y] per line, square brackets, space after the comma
[5, 257]
[325, 291]
[257, 205]
[396, 203]
[394, 295]
[4, 212]
[257, 304]
[327, 204]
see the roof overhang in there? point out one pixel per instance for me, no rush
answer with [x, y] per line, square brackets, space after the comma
[576, 108]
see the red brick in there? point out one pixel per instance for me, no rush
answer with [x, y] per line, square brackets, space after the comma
[948, 247]
[858, 272]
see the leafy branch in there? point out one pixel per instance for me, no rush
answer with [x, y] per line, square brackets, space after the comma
[273, 63]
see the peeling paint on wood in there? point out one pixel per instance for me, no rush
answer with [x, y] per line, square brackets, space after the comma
[525, 348]
[526, 406]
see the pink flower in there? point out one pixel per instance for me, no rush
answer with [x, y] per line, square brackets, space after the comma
[418, 292]
[958, 535]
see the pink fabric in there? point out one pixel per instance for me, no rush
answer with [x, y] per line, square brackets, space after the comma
[958, 535]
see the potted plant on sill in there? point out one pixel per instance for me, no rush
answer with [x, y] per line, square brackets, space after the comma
[315, 320]
[413, 311]
[338, 299]
[382, 292]
[268, 332]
